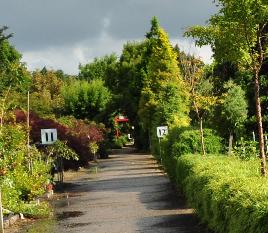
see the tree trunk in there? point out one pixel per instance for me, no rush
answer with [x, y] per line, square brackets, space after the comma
[259, 123]
[200, 118]
[231, 137]
[202, 137]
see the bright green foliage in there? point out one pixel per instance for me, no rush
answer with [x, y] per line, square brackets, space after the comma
[233, 110]
[13, 73]
[23, 174]
[131, 74]
[85, 99]
[126, 85]
[187, 141]
[93, 147]
[59, 149]
[164, 99]
[32, 210]
[201, 90]
[12, 148]
[246, 149]
[101, 68]
[164, 96]
[119, 142]
[234, 30]
[227, 193]
[234, 107]
[238, 33]
[56, 153]
[45, 96]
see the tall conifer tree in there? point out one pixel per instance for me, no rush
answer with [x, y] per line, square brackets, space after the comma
[164, 97]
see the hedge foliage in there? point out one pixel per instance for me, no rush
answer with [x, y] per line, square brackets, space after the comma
[187, 141]
[227, 193]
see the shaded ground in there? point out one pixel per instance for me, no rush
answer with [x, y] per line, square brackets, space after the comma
[128, 194]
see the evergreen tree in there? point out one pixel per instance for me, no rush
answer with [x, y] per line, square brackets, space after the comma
[234, 109]
[164, 96]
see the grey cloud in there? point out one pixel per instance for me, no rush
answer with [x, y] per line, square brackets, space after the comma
[132, 18]
[39, 24]
[62, 33]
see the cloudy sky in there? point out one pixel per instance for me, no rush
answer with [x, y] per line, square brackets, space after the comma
[60, 34]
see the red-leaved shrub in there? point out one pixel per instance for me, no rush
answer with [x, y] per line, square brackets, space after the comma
[78, 136]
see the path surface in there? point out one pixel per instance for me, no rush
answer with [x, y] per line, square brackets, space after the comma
[128, 194]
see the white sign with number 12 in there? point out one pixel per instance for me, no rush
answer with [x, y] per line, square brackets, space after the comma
[161, 131]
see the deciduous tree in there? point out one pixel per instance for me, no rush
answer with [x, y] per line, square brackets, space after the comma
[13, 73]
[85, 99]
[201, 94]
[237, 33]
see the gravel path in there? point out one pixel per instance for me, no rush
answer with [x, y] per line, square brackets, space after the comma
[128, 194]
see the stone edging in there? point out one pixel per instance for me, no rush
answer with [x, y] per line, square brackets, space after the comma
[10, 220]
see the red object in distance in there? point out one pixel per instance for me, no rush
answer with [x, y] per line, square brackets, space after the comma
[121, 119]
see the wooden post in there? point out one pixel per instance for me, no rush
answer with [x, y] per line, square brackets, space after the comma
[160, 152]
[1, 214]
[28, 132]
[28, 119]
[231, 137]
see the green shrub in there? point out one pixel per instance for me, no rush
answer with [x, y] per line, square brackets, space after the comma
[189, 142]
[227, 193]
[246, 149]
[34, 210]
[19, 187]
[23, 174]
[119, 142]
[181, 141]
[84, 99]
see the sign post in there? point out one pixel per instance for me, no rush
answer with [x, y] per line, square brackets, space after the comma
[161, 131]
[48, 137]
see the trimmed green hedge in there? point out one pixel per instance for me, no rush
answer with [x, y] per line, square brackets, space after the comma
[227, 193]
[187, 141]
[181, 141]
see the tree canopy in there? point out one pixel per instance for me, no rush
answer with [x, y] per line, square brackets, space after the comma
[238, 33]
[164, 98]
